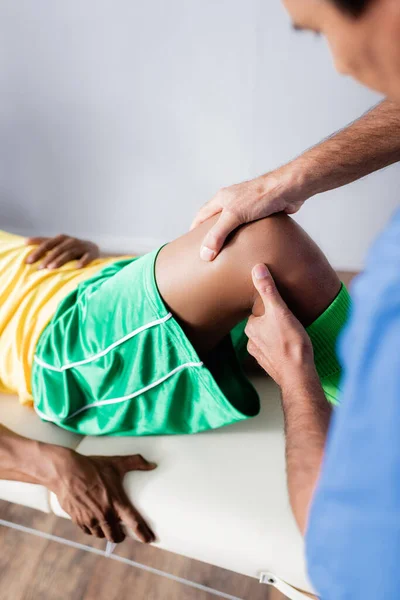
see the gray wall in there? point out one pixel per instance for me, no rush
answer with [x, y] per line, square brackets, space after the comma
[119, 118]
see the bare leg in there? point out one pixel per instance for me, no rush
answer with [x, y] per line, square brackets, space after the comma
[210, 298]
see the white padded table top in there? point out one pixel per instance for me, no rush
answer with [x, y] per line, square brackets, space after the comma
[219, 497]
[24, 421]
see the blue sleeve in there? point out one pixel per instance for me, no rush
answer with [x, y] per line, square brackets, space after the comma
[353, 538]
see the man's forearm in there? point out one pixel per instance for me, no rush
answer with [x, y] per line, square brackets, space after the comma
[22, 459]
[367, 145]
[307, 415]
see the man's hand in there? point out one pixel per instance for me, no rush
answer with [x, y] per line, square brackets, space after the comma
[90, 489]
[249, 201]
[367, 145]
[282, 347]
[59, 250]
[277, 340]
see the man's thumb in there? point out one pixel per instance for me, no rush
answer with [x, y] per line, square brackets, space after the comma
[134, 462]
[265, 285]
[215, 239]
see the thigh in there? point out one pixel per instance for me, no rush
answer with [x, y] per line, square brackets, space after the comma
[200, 294]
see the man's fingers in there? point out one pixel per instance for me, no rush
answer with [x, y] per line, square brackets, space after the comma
[97, 531]
[85, 529]
[208, 210]
[44, 246]
[113, 531]
[59, 250]
[217, 235]
[265, 285]
[62, 259]
[85, 260]
[109, 526]
[134, 462]
[251, 347]
[132, 519]
[35, 241]
[144, 533]
[52, 259]
[126, 512]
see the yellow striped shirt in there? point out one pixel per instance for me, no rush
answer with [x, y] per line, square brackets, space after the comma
[28, 300]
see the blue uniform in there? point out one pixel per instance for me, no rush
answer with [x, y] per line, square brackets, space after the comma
[353, 538]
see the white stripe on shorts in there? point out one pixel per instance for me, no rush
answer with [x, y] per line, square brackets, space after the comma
[102, 353]
[189, 365]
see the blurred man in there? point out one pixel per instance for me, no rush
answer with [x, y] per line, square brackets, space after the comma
[353, 529]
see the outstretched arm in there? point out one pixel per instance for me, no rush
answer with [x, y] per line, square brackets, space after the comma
[307, 417]
[282, 347]
[89, 489]
[367, 145]
[363, 147]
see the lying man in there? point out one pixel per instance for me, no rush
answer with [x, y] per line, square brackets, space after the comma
[153, 345]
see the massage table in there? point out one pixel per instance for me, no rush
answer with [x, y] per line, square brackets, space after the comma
[219, 497]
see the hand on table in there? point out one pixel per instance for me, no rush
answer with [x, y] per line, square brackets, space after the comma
[242, 203]
[57, 251]
[90, 489]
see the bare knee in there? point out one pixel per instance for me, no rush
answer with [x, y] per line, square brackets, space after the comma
[301, 271]
[210, 298]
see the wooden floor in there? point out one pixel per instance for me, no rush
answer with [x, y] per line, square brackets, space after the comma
[32, 568]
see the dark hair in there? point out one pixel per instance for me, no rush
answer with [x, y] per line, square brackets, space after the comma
[354, 7]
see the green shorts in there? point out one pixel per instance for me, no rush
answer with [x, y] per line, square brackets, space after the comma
[114, 361]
